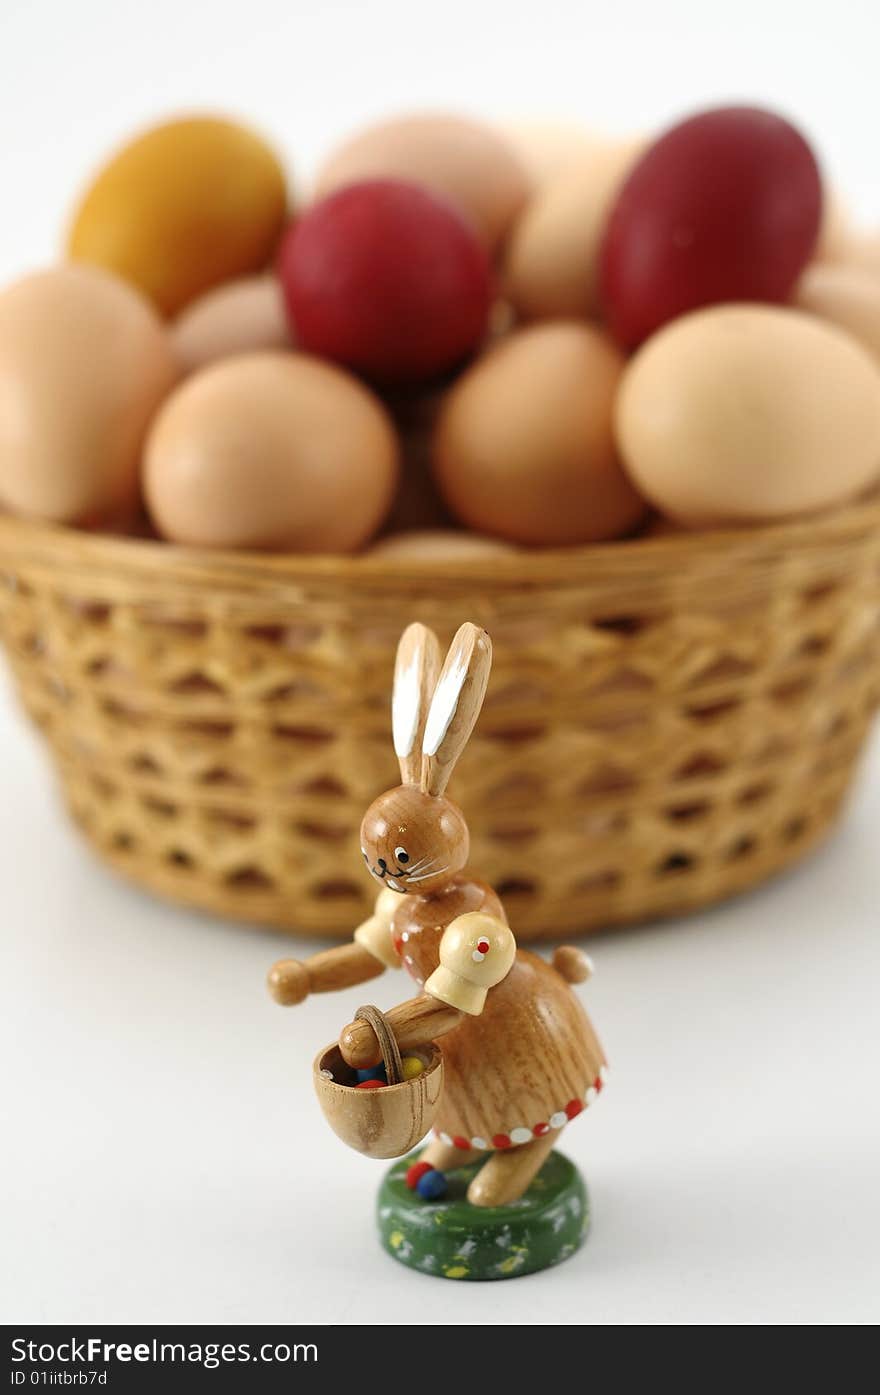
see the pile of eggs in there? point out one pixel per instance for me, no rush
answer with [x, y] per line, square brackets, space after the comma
[464, 340]
[375, 1078]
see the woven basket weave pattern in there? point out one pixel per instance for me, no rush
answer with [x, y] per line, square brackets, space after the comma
[667, 722]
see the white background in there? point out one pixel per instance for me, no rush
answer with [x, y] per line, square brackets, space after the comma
[163, 1158]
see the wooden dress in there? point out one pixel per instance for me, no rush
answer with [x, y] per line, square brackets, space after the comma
[529, 1062]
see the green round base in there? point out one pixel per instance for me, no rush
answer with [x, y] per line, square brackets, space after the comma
[454, 1240]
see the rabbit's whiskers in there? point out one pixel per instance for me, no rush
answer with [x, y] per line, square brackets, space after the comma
[417, 866]
[429, 871]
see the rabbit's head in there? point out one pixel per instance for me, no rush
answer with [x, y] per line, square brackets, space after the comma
[413, 838]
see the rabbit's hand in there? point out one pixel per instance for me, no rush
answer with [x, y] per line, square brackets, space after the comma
[292, 980]
[476, 953]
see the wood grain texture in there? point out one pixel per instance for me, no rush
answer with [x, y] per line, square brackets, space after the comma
[445, 1156]
[574, 965]
[506, 1176]
[291, 981]
[456, 704]
[416, 670]
[383, 1123]
[374, 934]
[530, 1052]
[414, 1023]
[419, 921]
[477, 952]
[415, 841]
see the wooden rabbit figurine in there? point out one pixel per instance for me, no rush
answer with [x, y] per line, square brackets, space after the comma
[520, 1056]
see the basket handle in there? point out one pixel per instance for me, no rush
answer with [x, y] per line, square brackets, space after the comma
[387, 1042]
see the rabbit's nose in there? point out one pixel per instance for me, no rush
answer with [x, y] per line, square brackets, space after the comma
[382, 863]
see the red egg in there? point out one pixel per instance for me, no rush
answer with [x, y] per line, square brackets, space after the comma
[370, 1085]
[725, 206]
[388, 279]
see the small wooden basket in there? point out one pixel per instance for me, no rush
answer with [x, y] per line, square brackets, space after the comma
[669, 720]
[382, 1123]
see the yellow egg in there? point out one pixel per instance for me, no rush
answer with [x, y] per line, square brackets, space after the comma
[468, 163]
[412, 1067]
[847, 296]
[524, 449]
[84, 363]
[439, 545]
[239, 317]
[744, 413]
[271, 451]
[550, 266]
[184, 206]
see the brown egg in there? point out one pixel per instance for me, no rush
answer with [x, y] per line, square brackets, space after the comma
[847, 296]
[524, 446]
[241, 317]
[471, 164]
[547, 148]
[272, 451]
[834, 230]
[864, 252]
[84, 362]
[439, 545]
[550, 263]
[742, 413]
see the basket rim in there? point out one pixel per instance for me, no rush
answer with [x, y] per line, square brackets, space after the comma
[430, 1049]
[23, 540]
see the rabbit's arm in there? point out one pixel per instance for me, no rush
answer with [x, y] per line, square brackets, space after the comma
[371, 951]
[415, 1022]
[292, 980]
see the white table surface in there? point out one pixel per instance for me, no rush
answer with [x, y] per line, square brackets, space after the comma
[165, 1159]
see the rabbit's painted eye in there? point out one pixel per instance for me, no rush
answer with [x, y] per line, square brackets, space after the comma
[401, 854]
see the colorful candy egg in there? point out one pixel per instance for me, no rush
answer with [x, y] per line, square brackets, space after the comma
[415, 1172]
[374, 1073]
[432, 1185]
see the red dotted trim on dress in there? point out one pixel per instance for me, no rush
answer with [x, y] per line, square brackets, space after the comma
[521, 1134]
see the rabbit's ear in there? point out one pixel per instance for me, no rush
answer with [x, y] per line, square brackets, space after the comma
[456, 705]
[415, 677]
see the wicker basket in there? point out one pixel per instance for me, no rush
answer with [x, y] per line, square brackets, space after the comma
[669, 720]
